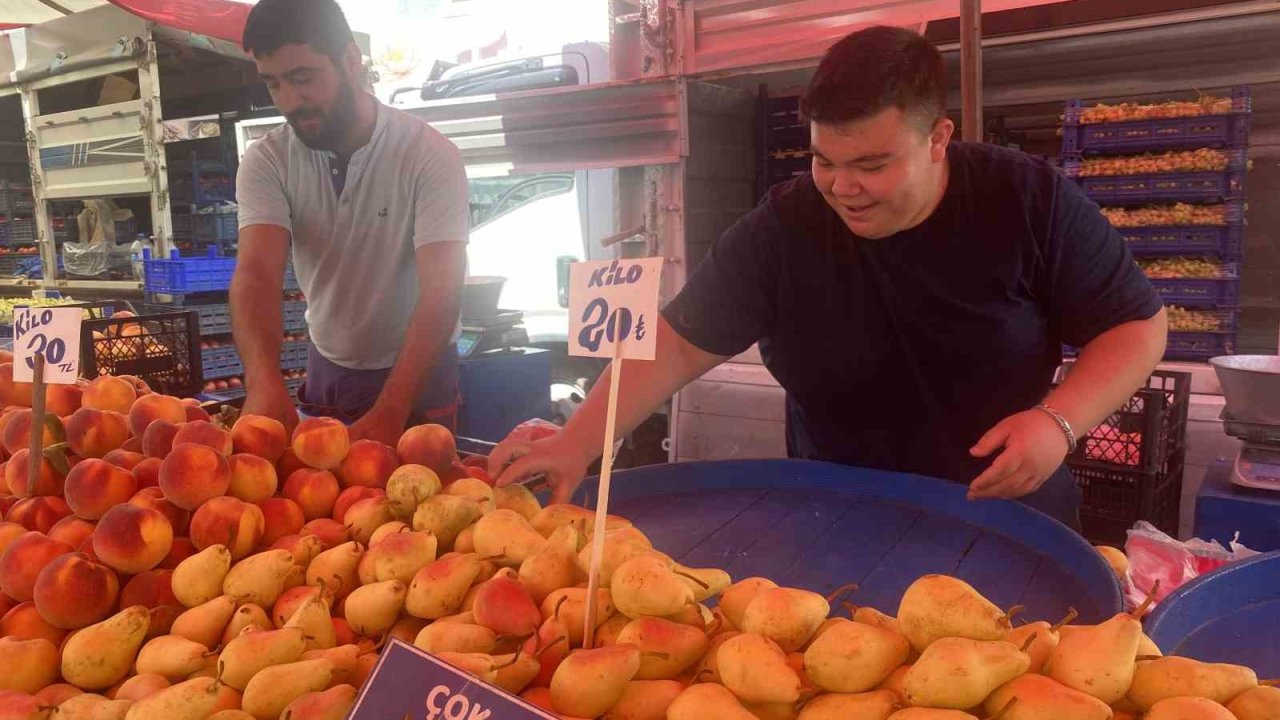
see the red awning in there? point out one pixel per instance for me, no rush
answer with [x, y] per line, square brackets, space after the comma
[222, 19]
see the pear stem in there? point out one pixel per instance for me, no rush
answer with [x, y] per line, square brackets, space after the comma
[693, 579]
[1008, 616]
[1027, 645]
[1274, 682]
[1141, 658]
[705, 672]
[1146, 604]
[659, 655]
[842, 590]
[853, 609]
[514, 659]
[538, 652]
[1005, 710]
[559, 604]
[1071, 615]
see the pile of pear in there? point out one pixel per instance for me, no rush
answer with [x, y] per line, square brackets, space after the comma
[494, 584]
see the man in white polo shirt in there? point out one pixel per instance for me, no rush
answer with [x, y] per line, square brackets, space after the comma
[374, 204]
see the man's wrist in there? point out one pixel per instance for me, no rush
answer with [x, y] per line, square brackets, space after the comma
[1061, 421]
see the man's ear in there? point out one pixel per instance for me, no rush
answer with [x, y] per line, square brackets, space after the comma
[940, 138]
[354, 65]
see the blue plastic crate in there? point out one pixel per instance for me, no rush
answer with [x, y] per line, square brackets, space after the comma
[293, 356]
[1225, 243]
[1073, 165]
[1228, 131]
[219, 227]
[1167, 187]
[1200, 293]
[221, 362]
[1199, 346]
[290, 278]
[295, 315]
[179, 275]
[215, 319]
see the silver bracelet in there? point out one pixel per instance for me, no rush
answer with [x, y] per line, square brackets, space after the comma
[1062, 423]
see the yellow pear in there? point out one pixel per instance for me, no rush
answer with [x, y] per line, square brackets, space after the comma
[851, 657]
[481, 665]
[705, 583]
[338, 568]
[518, 498]
[573, 611]
[1116, 558]
[938, 606]
[786, 616]
[874, 705]
[89, 706]
[1260, 703]
[331, 704]
[232, 715]
[896, 683]
[1148, 647]
[645, 700]
[138, 687]
[514, 671]
[506, 537]
[1169, 677]
[619, 546]
[400, 557]
[1188, 708]
[466, 540]
[205, 623]
[271, 689]
[29, 665]
[247, 615]
[198, 579]
[755, 669]
[306, 549]
[646, 586]
[477, 490]
[258, 578]
[445, 516]
[590, 682]
[253, 651]
[553, 566]
[735, 598]
[345, 659]
[313, 618]
[456, 637]
[875, 618]
[691, 615]
[960, 673]
[557, 515]
[439, 588]
[666, 648]
[372, 609]
[708, 668]
[101, 655]
[707, 701]
[1040, 639]
[408, 487]
[173, 656]
[930, 714]
[190, 700]
[1042, 698]
[1097, 660]
[386, 529]
[607, 632]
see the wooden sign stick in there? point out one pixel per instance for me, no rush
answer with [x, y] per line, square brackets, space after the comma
[602, 500]
[36, 450]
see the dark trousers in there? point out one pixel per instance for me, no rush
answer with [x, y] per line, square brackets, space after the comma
[347, 394]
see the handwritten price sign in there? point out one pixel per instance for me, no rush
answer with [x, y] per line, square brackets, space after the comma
[614, 302]
[53, 333]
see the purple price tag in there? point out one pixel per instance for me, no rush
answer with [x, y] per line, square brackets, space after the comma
[409, 684]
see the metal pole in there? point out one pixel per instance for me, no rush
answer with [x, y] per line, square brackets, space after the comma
[971, 128]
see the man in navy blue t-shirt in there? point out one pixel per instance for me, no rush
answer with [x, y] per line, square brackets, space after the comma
[911, 294]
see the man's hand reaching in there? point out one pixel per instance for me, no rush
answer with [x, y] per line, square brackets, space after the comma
[564, 465]
[1034, 446]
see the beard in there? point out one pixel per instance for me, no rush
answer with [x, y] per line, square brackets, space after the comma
[333, 124]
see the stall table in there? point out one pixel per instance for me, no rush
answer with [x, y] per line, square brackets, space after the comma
[1224, 509]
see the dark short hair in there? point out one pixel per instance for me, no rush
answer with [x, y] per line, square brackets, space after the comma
[874, 69]
[319, 24]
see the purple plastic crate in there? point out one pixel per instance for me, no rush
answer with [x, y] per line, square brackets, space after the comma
[1199, 346]
[1229, 131]
[1072, 165]
[1224, 243]
[1166, 187]
[1201, 292]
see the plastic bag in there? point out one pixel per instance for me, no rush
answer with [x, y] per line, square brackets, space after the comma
[1153, 556]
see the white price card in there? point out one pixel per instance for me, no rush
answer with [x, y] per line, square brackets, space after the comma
[52, 332]
[614, 301]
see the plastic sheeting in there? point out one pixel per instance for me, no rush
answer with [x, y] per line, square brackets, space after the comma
[222, 19]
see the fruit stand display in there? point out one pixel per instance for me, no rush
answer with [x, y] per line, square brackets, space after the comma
[1171, 179]
[164, 563]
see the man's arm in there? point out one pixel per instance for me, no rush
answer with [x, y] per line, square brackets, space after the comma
[257, 320]
[441, 270]
[645, 386]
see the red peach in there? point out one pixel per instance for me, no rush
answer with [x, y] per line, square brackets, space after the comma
[321, 442]
[289, 601]
[126, 459]
[368, 463]
[109, 393]
[48, 480]
[157, 440]
[95, 486]
[227, 521]
[23, 622]
[204, 433]
[131, 539]
[260, 435]
[192, 474]
[282, 517]
[6, 500]
[62, 400]
[351, 496]
[253, 478]
[342, 631]
[10, 531]
[150, 589]
[330, 531]
[429, 445]
[182, 549]
[56, 694]
[195, 413]
[314, 490]
[138, 687]
[13, 393]
[147, 471]
[149, 408]
[161, 620]
[133, 445]
[71, 530]
[17, 433]
[480, 474]
[153, 498]
[288, 463]
[38, 513]
[457, 471]
[73, 591]
[96, 433]
[23, 560]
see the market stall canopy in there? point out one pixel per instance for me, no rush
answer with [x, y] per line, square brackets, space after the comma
[223, 19]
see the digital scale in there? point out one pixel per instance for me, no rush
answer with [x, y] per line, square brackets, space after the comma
[1251, 386]
[497, 333]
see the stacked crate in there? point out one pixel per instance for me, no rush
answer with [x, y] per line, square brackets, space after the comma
[1171, 178]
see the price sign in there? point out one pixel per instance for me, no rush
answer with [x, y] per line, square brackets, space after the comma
[614, 301]
[409, 684]
[52, 332]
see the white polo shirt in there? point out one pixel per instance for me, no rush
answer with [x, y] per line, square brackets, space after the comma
[354, 253]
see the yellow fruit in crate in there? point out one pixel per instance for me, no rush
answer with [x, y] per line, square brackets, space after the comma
[938, 606]
[959, 673]
[1169, 677]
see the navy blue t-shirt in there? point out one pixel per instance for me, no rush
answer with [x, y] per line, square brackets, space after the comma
[899, 353]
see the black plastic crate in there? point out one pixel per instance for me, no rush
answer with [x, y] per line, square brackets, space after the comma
[1113, 499]
[162, 348]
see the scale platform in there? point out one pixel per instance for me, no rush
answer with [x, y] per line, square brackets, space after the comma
[1251, 386]
[500, 332]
